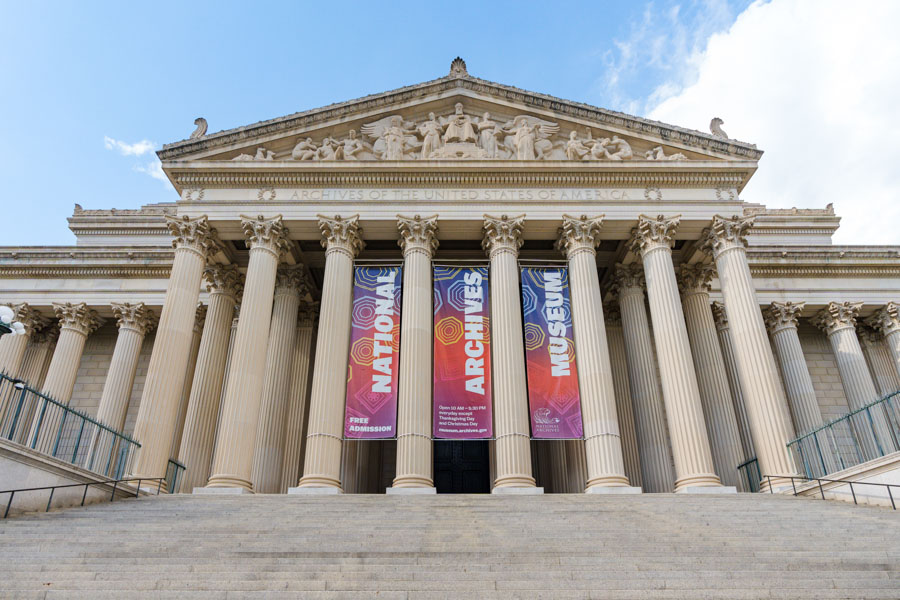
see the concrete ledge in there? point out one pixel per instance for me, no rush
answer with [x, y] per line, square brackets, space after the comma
[410, 491]
[518, 491]
[613, 490]
[315, 491]
[221, 491]
[709, 489]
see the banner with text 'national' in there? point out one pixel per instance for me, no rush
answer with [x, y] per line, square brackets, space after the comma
[374, 354]
[462, 355]
[553, 397]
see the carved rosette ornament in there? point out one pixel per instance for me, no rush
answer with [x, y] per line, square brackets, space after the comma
[77, 317]
[579, 234]
[225, 280]
[695, 279]
[134, 316]
[653, 234]
[886, 319]
[782, 315]
[725, 233]
[266, 234]
[193, 234]
[628, 277]
[30, 318]
[292, 280]
[418, 234]
[719, 315]
[341, 235]
[837, 316]
[502, 235]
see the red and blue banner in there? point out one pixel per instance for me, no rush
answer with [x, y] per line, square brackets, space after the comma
[553, 397]
[374, 354]
[462, 354]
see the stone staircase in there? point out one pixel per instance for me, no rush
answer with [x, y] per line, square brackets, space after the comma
[443, 547]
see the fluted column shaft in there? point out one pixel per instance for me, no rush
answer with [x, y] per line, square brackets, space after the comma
[12, 347]
[650, 420]
[578, 238]
[189, 372]
[268, 456]
[298, 400]
[681, 394]
[763, 395]
[203, 405]
[559, 479]
[624, 404]
[887, 320]
[133, 320]
[414, 446]
[322, 461]
[718, 409]
[76, 322]
[726, 343]
[880, 361]
[158, 412]
[37, 359]
[511, 428]
[576, 464]
[233, 461]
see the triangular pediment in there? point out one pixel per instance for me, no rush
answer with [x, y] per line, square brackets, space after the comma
[458, 117]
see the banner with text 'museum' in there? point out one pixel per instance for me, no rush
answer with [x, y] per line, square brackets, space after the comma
[374, 354]
[462, 355]
[553, 397]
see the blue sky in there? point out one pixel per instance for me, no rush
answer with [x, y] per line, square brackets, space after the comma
[86, 82]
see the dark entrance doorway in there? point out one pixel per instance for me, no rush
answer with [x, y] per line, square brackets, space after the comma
[462, 467]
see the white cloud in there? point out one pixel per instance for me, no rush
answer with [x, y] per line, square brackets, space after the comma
[136, 149]
[815, 84]
[153, 169]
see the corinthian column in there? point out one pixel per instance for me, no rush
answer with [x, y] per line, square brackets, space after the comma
[134, 321]
[624, 405]
[718, 409]
[322, 463]
[418, 240]
[760, 386]
[298, 397]
[188, 380]
[781, 319]
[887, 320]
[269, 453]
[650, 419]
[879, 359]
[224, 287]
[12, 347]
[578, 240]
[76, 322]
[158, 413]
[38, 354]
[734, 381]
[268, 242]
[502, 240]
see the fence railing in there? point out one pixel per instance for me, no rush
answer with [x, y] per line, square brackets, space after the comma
[39, 422]
[112, 497]
[749, 470]
[174, 476]
[794, 479]
[862, 435]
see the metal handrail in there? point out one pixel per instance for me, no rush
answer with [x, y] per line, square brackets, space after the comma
[888, 486]
[53, 488]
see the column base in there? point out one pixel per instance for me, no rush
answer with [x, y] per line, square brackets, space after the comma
[413, 481]
[410, 491]
[711, 489]
[315, 491]
[518, 491]
[229, 481]
[613, 490]
[220, 491]
[699, 480]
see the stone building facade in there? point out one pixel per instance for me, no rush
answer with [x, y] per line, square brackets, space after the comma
[214, 328]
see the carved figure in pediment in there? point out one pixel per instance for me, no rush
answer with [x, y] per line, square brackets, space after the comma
[488, 132]
[392, 137]
[243, 156]
[350, 147]
[430, 131]
[614, 148]
[459, 127]
[529, 141]
[328, 150]
[304, 150]
[576, 148]
[659, 154]
[263, 154]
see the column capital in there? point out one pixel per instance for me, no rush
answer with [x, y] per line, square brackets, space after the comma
[653, 233]
[48, 333]
[867, 334]
[77, 317]
[193, 234]
[291, 279]
[418, 234]
[719, 315]
[502, 235]
[612, 314]
[309, 312]
[29, 317]
[886, 319]
[782, 315]
[341, 235]
[225, 280]
[579, 234]
[267, 234]
[695, 278]
[837, 316]
[628, 276]
[134, 316]
[725, 233]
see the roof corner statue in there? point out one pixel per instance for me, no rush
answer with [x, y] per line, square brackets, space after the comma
[715, 127]
[458, 67]
[200, 122]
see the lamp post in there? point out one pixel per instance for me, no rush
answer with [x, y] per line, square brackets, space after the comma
[7, 325]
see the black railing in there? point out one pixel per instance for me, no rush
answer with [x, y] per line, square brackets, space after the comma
[749, 469]
[174, 476]
[819, 480]
[112, 496]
